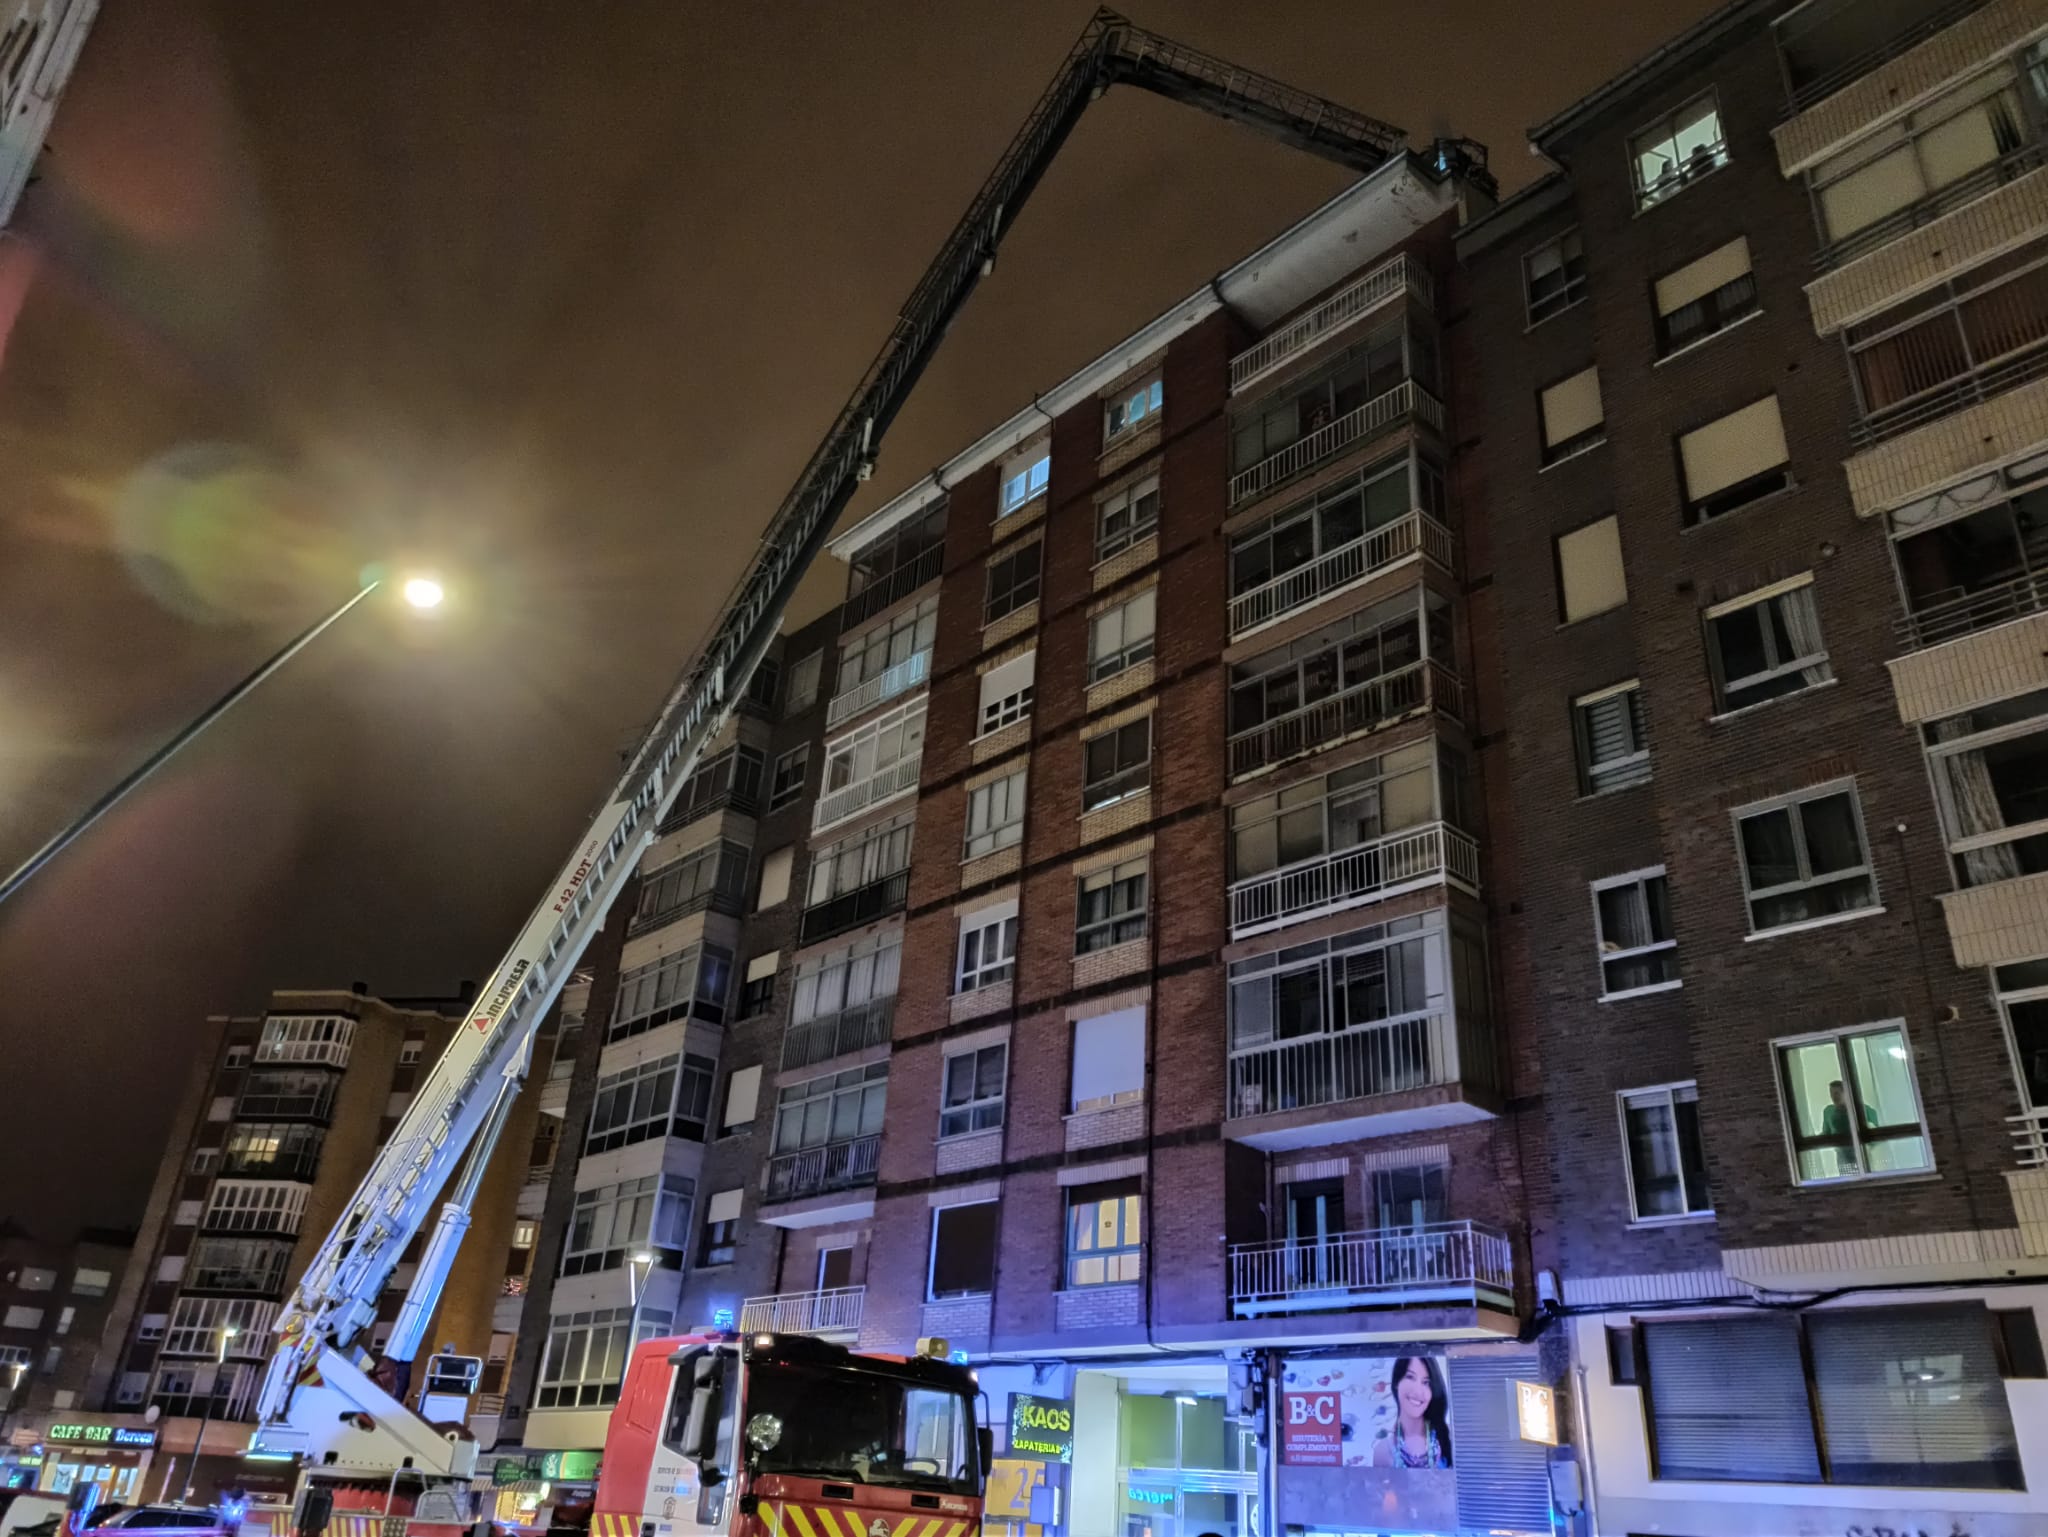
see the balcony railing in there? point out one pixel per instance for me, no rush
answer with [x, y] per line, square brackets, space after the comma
[849, 910]
[1348, 304]
[1439, 1262]
[1965, 613]
[900, 679]
[818, 1170]
[1413, 533]
[893, 588]
[855, 798]
[1376, 416]
[2030, 1138]
[824, 1312]
[1970, 389]
[1387, 1057]
[1365, 872]
[1378, 702]
[837, 1035]
[726, 894]
[294, 1166]
[687, 810]
[1964, 189]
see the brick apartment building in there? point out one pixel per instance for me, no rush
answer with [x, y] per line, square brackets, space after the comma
[1466, 805]
[55, 1299]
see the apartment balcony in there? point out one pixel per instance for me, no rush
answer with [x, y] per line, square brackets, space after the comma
[744, 803]
[834, 1314]
[1377, 417]
[823, 1170]
[1416, 534]
[1957, 611]
[898, 778]
[889, 590]
[910, 673]
[1435, 854]
[532, 1199]
[264, 1098]
[1972, 388]
[292, 1166]
[1397, 1075]
[1348, 305]
[2000, 924]
[1444, 1263]
[851, 909]
[1932, 209]
[1371, 706]
[838, 1035]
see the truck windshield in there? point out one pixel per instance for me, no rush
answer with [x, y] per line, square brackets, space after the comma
[864, 1426]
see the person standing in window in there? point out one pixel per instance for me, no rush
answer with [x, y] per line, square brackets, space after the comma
[1834, 1124]
[1421, 1437]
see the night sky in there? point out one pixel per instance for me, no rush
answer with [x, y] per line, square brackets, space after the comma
[556, 299]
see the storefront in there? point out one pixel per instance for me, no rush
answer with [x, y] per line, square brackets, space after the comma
[529, 1490]
[1185, 1468]
[109, 1453]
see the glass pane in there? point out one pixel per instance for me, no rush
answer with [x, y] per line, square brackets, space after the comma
[1884, 1085]
[1832, 844]
[1739, 637]
[1817, 1100]
[1769, 850]
[1692, 1159]
[1653, 1159]
[1131, 1234]
[1148, 1430]
[1202, 1433]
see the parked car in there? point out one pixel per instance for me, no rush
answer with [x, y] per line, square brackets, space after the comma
[165, 1518]
[28, 1513]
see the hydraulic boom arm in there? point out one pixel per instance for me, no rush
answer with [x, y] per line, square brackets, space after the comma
[313, 1373]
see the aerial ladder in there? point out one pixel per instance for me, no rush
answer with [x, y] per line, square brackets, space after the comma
[318, 1399]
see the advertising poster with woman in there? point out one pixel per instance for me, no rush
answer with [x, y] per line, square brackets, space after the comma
[1367, 1439]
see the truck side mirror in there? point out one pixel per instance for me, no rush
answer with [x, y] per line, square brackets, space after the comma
[314, 1510]
[700, 1430]
[985, 1439]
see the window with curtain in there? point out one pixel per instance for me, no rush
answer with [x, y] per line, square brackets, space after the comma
[995, 815]
[1733, 461]
[1341, 810]
[988, 947]
[1109, 906]
[874, 651]
[1708, 294]
[1805, 858]
[1369, 369]
[1126, 517]
[1632, 918]
[834, 1108]
[874, 854]
[1121, 637]
[1766, 645]
[846, 977]
[1554, 276]
[971, 1087]
[1852, 1105]
[1990, 770]
[1667, 1166]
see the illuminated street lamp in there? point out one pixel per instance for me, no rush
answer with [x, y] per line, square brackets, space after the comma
[421, 592]
[220, 1366]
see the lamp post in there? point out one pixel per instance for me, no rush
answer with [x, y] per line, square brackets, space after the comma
[220, 1362]
[420, 592]
[638, 1269]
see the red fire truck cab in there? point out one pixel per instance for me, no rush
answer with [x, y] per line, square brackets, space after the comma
[778, 1435]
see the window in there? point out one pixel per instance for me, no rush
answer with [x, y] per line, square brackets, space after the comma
[742, 1097]
[36, 1278]
[1573, 417]
[1660, 1143]
[134, 1387]
[803, 683]
[255, 1206]
[1125, 518]
[186, 1214]
[1706, 295]
[294, 1092]
[733, 777]
[1973, 555]
[721, 1228]
[1324, 529]
[833, 1108]
[1990, 768]
[239, 1264]
[995, 815]
[323, 1040]
[1677, 150]
[1121, 637]
[410, 1053]
[1852, 1107]
[788, 782]
[204, 1160]
[1734, 461]
[884, 654]
[19, 1317]
[152, 1326]
[1590, 578]
[667, 1097]
[1687, 1367]
[1805, 858]
[1384, 980]
[1554, 276]
[1632, 923]
[1621, 1355]
[1109, 1060]
[586, 1355]
[1132, 409]
[237, 1057]
[1614, 752]
[610, 1224]
[877, 755]
[690, 983]
[2022, 990]
[875, 854]
[971, 1093]
[91, 1283]
[1013, 581]
[895, 565]
[1006, 692]
[988, 946]
[198, 1326]
[1109, 908]
[763, 685]
[222, 1108]
[775, 872]
[846, 978]
[1765, 645]
[1380, 363]
[758, 991]
[1025, 476]
[713, 876]
[525, 1234]
[273, 1150]
[1103, 1241]
[963, 1260]
[1348, 807]
[1116, 764]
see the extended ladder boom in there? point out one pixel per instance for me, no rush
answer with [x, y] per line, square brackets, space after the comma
[462, 1100]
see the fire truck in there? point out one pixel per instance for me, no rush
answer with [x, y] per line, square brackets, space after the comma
[775, 1432]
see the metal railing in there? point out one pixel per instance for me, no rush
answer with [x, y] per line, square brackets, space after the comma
[726, 893]
[1378, 415]
[687, 810]
[1412, 533]
[817, 1170]
[1386, 1057]
[295, 1166]
[851, 909]
[1964, 189]
[822, 1312]
[837, 1035]
[1822, 86]
[1365, 872]
[1437, 1262]
[853, 799]
[1969, 389]
[1965, 613]
[2030, 1138]
[900, 679]
[899, 584]
[1349, 304]
[1370, 705]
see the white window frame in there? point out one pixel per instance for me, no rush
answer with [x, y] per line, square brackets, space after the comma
[876, 853]
[1572, 291]
[1005, 796]
[931, 1259]
[1137, 505]
[976, 929]
[824, 983]
[970, 1112]
[1113, 879]
[1594, 777]
[1098, 793]
[1105, 660]
[1022, 592]
[1026, 476]
[2016, 991]
[1961, 845]
[1124, 1261]
[255, 1206]
[1683, 172]
[797, 759]
[1862, 1174]
[652, 1212]
[1604, 957]
[319, 1040]
[21, 1316]
[1007, 709]
[1671, 1095]
[567, 1366]
[1129, 410]
[410, 1052]
[1791, 802]
[1776, 666]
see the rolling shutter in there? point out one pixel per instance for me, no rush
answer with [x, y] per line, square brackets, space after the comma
[1695, 280]
[1503, 1481]
[1726, 1400]
[1589, 570]
[1738, 447]
[1571, 407]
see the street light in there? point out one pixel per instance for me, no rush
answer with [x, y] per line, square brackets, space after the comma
[637, 1271]
[220, 1361]
[422, 592]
